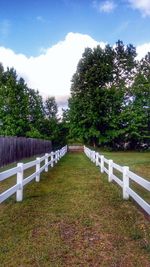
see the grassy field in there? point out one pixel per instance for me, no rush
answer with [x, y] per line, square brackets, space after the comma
[138, 162]
[74, 217]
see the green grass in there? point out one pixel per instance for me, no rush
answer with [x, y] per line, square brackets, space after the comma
[73, 217]
[12, 180]
[138, 162]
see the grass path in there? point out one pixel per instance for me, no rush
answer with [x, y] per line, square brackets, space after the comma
[73, 217]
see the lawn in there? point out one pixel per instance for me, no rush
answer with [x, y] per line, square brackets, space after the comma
[73, 217]
[138, 162]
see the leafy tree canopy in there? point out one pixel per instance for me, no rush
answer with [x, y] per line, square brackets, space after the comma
[110, 96]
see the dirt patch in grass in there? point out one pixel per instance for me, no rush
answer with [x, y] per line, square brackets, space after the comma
[91, 246]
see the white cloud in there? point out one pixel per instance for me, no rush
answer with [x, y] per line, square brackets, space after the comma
[52, 71]
[142, 50]
[142, 5]
[106, 6]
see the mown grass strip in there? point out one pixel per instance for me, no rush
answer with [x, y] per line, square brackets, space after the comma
[138, 162]
[73, 217]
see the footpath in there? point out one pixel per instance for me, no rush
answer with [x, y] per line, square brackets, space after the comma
[73, 217]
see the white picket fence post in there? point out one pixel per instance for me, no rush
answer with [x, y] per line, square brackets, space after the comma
[55, 154]
[46, 162]
[37, 179]
[52, 163]
[19, 193]
[125, 182]
[90, 155]
[102, 163]
[94, 159]
[97, 159]
[110, 169]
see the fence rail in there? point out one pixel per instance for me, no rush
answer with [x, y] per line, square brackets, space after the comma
[127, 175]
[19, 171]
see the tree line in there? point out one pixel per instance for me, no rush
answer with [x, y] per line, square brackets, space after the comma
[110, 98]
[23, 112]
[109, 104]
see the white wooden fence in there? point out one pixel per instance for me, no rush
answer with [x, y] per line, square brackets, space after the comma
[49, 159]
[108, 167]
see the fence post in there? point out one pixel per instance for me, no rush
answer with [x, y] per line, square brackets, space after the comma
[102, 163]
[52, 163]
[37, 179]
[90, 155]
[94, 156]
[55, 156]
[19, 193]
[125, 182]
[46, 162]
[110, 169]
[97, 159]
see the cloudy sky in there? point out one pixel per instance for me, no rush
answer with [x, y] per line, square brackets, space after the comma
[44, 39]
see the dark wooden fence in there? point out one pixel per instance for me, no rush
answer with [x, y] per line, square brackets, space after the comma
[16, 148]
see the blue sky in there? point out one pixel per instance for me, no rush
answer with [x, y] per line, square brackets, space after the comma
[27, 26]
[35, 30]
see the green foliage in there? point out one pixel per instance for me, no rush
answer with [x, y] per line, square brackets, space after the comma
[51, 108]
[110, 96]
[24, 113]
[13, 104]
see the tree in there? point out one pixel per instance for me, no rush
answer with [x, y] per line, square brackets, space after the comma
[14, 109]
[51, 108]
[139, 106]
[87, 93]
[49, 126]
[36, 113]
[100, 93]
[24, 113]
